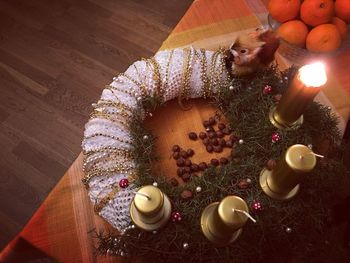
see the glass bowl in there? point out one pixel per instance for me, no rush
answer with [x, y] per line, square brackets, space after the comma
[299, 55]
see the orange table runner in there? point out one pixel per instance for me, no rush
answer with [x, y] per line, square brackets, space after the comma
[60, 228]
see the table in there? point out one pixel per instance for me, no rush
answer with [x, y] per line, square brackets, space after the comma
[60, 227]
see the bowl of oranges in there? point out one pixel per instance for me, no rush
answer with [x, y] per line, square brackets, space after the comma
[310, 29]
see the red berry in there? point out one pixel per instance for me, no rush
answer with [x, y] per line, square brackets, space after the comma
[124, 183]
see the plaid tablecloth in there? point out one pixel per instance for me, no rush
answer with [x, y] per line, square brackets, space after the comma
[60, 228]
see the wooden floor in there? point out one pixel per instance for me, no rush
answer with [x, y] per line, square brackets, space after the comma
[55, 58]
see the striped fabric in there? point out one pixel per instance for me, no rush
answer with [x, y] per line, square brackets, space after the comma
[60, 228]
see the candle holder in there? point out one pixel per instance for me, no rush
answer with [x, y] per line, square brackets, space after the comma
[150, 209]
[282, 183]
[220, 223]
[277, 120]
[288, 114]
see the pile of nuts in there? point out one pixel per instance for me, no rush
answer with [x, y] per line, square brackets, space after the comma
[213, 140]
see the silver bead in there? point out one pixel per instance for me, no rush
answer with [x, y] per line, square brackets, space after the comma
[207, 129]
[198, 189]
[240, 141]
[139, 98]
[231, 88]
[155, 184]
[288, 230]
[185, 245]
[145, 137]
[122, 254]
[150, 114]
[250, 88]
[154, 232]
[248, 180]
[109, 252]
[286, 78]
[94, 104]
[310, 146]
[132, 226]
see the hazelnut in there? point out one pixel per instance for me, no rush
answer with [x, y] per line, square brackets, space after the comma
[223, 160]
[214, 162]
[214, 142]
[229, 144]
[183, 154]
[186, 177]
[180, 162]
[206, 141]
[176, 155]
[203, 166]
[221, 126]
[217, 149]
[190, 152]
[179, 171]
[193, 136]
[206, 124]
[222, 142]
[212, 135]
[209, 148]
[212, 121]
[194, 167]
[202, 135]
[226, 131]
[187, 170]
[176, 148]
[220, 134]
[188, 163]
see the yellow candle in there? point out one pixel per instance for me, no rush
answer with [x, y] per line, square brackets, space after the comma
[222, 222]
[150, 209]
[283, 181]
[304, 87]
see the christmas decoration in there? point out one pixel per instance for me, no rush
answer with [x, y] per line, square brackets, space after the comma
[257, 207]
[267, 90]
[123, 183]
[176, 217]
[275, 137]
[247, 116]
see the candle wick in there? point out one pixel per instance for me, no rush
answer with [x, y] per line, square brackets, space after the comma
[317, 155]
[312, 153]
[245, 213]
[143, 195]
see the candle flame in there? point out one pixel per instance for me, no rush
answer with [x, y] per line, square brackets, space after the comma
[313, 75]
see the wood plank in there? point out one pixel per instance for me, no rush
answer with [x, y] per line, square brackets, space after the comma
[55, 58]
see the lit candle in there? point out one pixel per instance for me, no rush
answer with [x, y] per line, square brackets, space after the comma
[283, 181]
[222, 222]
[303, 89]
[150, 209]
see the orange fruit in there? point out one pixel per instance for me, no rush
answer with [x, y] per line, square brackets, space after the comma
[294, 32]
[342, 27]
[323, 38]
[316, 12]
[284, 10]
[342, 10]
